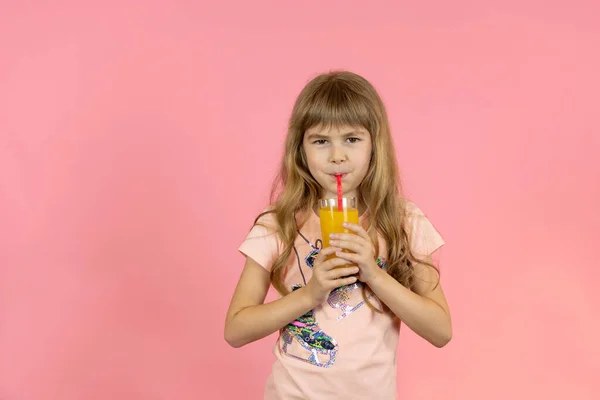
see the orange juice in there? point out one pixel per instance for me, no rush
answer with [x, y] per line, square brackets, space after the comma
[332, 218]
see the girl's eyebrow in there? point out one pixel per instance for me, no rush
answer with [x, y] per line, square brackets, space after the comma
[316, 135]
[354, 133]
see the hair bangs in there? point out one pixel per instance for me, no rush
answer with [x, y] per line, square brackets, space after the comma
[337, 104]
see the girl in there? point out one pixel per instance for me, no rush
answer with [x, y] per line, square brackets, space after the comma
[338, 325]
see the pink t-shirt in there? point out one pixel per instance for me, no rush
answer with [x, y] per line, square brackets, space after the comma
[346, 347]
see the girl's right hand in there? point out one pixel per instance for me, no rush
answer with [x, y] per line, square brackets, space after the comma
[326, 276]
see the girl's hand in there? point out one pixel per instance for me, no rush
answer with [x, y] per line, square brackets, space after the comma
[363, 252]
[326, 276]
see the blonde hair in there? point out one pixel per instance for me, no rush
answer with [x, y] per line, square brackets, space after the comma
[342, 98]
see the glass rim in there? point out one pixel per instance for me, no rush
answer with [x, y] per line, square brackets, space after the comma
[333, 201]
[335, 198]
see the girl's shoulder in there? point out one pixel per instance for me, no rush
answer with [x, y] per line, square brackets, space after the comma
[410, 209]
[266, 218]
[262, 243]
[424, 236]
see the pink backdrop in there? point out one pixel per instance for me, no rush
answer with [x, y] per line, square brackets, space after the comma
[138, 141]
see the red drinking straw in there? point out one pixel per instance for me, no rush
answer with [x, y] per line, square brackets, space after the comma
[339, 191]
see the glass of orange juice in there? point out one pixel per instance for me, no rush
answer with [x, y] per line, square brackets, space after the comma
[332, 218]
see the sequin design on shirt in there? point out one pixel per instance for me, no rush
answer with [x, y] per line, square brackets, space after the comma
[310, 258]
[305, 330]
[340, 298]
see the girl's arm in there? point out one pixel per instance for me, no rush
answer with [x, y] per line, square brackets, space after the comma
[248, 319]
[424, 310]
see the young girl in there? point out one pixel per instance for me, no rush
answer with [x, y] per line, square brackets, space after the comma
[338, 325]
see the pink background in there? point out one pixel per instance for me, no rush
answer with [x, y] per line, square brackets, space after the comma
[138, 141]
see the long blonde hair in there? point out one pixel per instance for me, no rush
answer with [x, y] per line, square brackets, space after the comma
[342, 98]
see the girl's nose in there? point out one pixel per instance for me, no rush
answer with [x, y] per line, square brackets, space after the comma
[337, 155]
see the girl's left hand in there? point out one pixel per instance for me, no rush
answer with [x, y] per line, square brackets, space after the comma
[363, 252]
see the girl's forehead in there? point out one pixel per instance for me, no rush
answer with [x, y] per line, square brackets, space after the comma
[334, 130]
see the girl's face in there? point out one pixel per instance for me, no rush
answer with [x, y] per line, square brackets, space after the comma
[345, 150]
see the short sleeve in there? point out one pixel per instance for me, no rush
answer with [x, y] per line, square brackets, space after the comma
[424, 237]
[262, 243]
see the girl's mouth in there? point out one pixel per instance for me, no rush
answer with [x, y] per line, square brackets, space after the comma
[334, 176]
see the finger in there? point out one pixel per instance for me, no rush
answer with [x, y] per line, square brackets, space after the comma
[333, 263]
[348, 245]
[352, 257]
[335, 268]
[350, 237]
[342, 272]
[359, 230]
[345, 281]
[327, 251]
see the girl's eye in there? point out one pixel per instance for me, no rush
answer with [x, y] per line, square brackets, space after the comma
[320, 141]
[353, 139]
